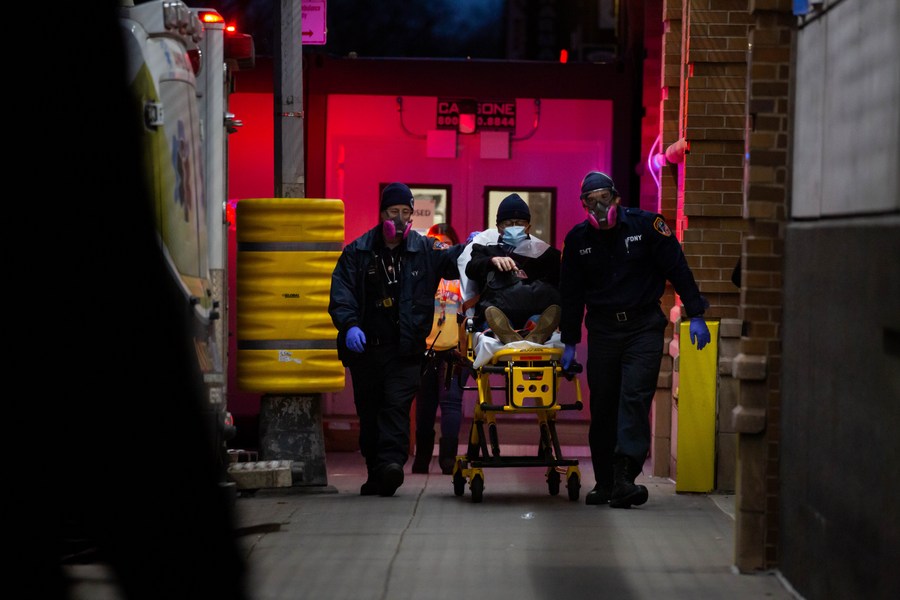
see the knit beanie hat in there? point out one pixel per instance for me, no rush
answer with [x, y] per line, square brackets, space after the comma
[513, 207]
[394, 194]
[595, 180]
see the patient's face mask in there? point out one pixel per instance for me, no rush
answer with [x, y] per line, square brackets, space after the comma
[514, 235]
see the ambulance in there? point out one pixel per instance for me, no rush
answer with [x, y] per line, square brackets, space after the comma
[181, 62]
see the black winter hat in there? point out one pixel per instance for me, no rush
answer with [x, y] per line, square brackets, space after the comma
[513, 207]
[394, 194]
[595, 180]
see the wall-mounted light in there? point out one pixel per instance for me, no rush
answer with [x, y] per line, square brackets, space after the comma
[674, 154]
[676, 151]
[467, 112]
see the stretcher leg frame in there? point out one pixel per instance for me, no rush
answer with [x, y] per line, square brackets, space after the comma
[532, 379]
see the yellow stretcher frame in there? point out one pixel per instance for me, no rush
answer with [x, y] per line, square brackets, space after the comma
[532, 379]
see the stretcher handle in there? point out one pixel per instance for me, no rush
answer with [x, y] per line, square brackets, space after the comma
[494, 368]
[573, 369]
[577, 405]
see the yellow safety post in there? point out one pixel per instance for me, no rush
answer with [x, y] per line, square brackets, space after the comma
[287, 249]
[697, 376]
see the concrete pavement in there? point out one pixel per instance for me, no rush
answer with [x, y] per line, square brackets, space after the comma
[519, 543]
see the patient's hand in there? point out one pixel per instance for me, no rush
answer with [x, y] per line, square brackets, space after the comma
[503, 263]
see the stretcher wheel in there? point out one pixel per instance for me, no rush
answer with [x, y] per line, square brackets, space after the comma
[573, 484]
[553, 481]
[477, 486]
[459, 482]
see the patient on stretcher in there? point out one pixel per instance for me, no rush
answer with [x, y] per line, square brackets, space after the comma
[486, 343]
[509, 280]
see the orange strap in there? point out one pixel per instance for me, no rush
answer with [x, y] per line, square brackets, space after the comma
[471, 302]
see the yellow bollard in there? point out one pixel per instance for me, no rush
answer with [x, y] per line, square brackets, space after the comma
[697, 376]
[287, 249]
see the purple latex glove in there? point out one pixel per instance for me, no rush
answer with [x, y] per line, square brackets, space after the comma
[699, 332]
[568, 356]
[471, 237]
[356, 339]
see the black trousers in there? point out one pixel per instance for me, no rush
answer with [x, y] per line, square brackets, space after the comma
[623, 364]
[384, 385]
[439, 389]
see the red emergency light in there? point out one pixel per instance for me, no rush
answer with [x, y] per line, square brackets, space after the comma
[239, 48]
[210, 16]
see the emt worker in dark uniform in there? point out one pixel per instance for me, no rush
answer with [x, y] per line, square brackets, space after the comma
[382, 304]
[616, 263]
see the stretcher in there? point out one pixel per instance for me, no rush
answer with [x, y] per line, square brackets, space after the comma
[531, 376]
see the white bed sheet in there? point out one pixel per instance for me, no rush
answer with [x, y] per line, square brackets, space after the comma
[486, 346]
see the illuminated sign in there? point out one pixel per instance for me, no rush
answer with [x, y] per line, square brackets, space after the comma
[467, 115]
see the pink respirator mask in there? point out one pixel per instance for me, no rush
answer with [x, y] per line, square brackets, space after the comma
[391, 226]
[595, 217]
[598, 213]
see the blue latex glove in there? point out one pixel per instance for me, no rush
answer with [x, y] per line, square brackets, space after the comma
[471, 237]
[568, 356]
[356, 339]
[699, 332]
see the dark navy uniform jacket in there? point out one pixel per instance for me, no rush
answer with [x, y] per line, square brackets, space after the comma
[622, 269]
[422, 265]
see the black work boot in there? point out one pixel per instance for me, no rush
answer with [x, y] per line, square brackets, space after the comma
[625, 493]
[447, 454]
[635, 469]
[370, 487]
[598, 495]
[391, 479]
[424, 450]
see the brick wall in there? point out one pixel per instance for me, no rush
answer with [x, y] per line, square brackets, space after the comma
[765, 211]
[703, 77]
[725, 78]
[665, 408]
[714, 97]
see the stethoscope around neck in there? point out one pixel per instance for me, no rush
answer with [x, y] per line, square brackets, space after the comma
[392, 270]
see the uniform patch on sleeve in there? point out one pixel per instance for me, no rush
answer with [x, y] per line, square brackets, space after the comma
[661, 227]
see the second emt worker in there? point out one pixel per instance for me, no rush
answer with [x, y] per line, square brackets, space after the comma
[616, 263]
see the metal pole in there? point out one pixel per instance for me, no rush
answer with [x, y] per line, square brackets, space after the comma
[290, 179]
[291, 426]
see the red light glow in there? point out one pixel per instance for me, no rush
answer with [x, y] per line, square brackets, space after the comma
[211, 17]
[231, 214]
